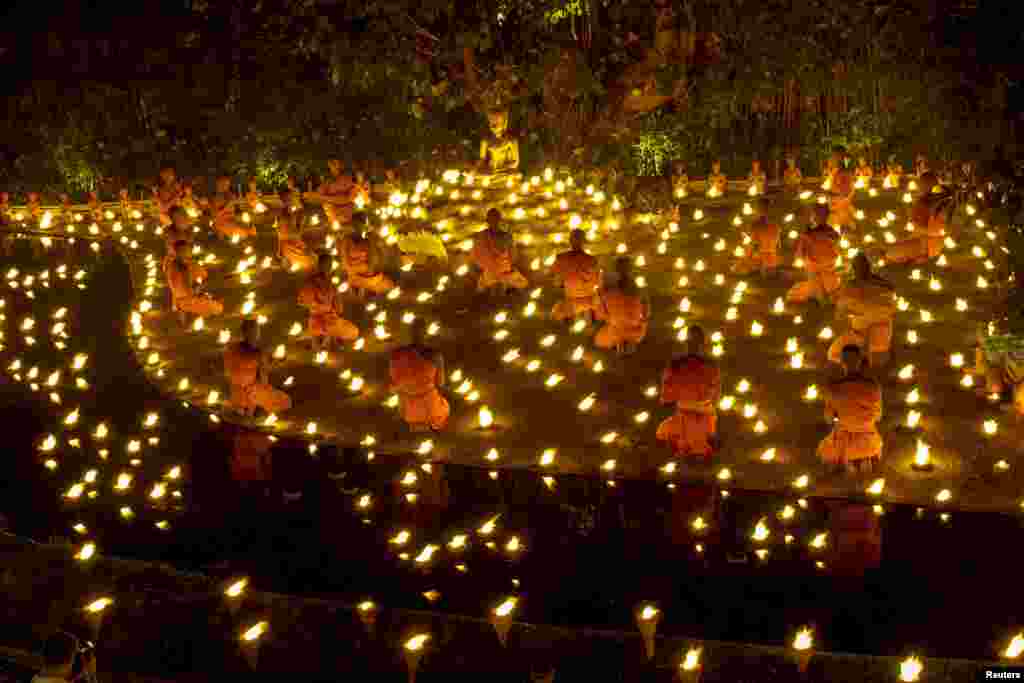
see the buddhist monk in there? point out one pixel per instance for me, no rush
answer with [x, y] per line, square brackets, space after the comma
[360, 189]
[921, 165]
[336, 194]
[35, 210]
[693, 383]
[763, 252]
[126, 204]
[494, 254]
[868, 302]
[295, 194]
[291, 248]
[757, 178]
[320, 297]
[182, 248]
[381, 192]
[246, 367]
[581, 277]
[625, 313]
[1001, 367]
[864, 173]
[184, 300]
[792, 178]
[95, 208]
[929, 228]
[222, 206]
[252, 196]
[854, 404]
[417, 372]
[166, 194]
[360, 259]
[180, 228]
[818, 250]
[5, 206]
[717, 182]
[841, 193]
[893, 174]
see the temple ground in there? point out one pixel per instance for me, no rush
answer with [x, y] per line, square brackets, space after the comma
[613, 437]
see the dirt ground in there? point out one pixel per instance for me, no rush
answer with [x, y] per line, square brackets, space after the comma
[530, 417]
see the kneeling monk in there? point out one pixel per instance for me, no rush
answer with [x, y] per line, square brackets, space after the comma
[624, 312]
[818, 250]
[319, 296]
[854, 403]
[416, 373]
[246, 368]
[222, 206]
[763, 252]
[360, 259]
[929, 225]
[868, 302]
[494, 254]
[291, 248]
[694, 384]
[184, 300]
[581, 277]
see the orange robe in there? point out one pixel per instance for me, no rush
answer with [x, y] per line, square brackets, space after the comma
[625, 317]
[841, 205]
[870, 306]
[242, 366]
[292, 248]
[819, 251]
[857, 403]
[765, 238]
[224, 221]
[1007, 372]
[494, 259]
[338, 197]
[927, 244]
[185, 300]
[792, 177]
[167, 197]
[414, 377]
[357, 265]
[694, 385]
[197, 273]
[581, 277]
[319, 297]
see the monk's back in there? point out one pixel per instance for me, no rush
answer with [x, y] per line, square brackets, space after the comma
[820, 246]
[412, 369]
[242, 363]
[766, 234]
[691, 378]
[624, 308]
[578, 270]
[858, 402]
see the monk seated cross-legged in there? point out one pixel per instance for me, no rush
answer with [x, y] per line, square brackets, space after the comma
[818, 251]
[581, 276]
[624, 312]
[417, 372]
[246, 368]
[930, 228]
[291, 248]
[360, 260]
[197, 273]
[854, 403]
[222, 206]
[494, 254]
[184, 300]
[693, 383]
[166, 194]
[868, 301]
[320, 297]
[763, 252]
[841, 189]
[337, 195]
[792, 178]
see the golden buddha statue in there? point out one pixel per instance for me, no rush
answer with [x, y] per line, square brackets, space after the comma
[500, 154]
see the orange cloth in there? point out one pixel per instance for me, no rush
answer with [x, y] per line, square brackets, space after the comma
[841, 205]
[792, 177]
[319, 297]
[492, 254]
[694, 385]
[356, 257]
[338, 197]
[414, 377]
[625, 317]
[857, 402]
[197, 273]
[292, 248]
[166, 197]
[765, 237]
[581, 278]
[925, 246]
[818, 249]
[242, 366]
[224, 222]
[185, 300]
[870, 306]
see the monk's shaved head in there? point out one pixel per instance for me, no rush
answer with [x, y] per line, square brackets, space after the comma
[577, 238]
[820, 213]
[418, 329]
[695, 339]
[861, 265]
[250, 330]
[493, 218]
[852, 357]
[760, 206]
[324, 263]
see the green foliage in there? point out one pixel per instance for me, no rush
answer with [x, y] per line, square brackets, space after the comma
[571, 8]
